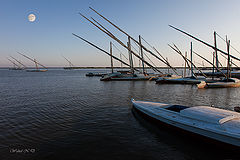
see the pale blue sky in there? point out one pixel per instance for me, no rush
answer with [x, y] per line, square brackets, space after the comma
[50, 36]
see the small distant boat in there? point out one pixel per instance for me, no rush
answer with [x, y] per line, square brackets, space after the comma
[16, 69]
[217, 124]
[15, 65]
[36, 64]
[91, 74]
[230, 83]
[36, 70]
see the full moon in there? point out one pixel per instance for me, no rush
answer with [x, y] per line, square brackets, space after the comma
[31, 17]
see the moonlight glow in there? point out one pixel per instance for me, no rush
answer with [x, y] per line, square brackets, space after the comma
[31, 17]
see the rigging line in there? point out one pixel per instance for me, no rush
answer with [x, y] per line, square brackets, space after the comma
[150, 59]
[150, 46]
[119, 51]
[166, 62]
[199, 63]
[225, 41]
[218, 60]
[226, 58]
[146, 42]
[146, 56]
[139, 51]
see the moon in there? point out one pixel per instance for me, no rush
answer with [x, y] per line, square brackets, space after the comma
[31, 17]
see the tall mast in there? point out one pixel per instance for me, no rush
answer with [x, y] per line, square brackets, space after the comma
[213, 63]
[228, 64]
[121, 60]
[141, 51]
[185, 64]
[215, 45]
[111, 56]
[36, 64]
[168, 67]
[191, 62]
[130, 55]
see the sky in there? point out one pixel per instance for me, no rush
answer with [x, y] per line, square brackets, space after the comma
[50, 37]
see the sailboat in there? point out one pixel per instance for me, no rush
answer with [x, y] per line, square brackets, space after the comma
[71, 66]
[226, 82]
[37, 69]
[131, 75]
[181, 80]
[15, 65]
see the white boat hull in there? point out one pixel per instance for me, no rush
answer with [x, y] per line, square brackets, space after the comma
[232, 140]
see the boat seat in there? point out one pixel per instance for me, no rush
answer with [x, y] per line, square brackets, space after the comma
[176, 108]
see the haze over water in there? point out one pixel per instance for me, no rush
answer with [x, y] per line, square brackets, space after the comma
[62, 114]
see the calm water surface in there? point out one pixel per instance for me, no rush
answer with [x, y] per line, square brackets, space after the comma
[61, 114]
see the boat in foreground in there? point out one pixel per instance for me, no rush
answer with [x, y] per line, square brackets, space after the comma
[217, 124]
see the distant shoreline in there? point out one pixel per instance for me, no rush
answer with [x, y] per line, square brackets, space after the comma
[203, 68]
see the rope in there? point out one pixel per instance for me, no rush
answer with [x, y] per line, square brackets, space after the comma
[119, 51]
[146, 56]
[230, 44]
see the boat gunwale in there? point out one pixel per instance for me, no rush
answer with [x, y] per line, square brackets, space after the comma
[223, 132]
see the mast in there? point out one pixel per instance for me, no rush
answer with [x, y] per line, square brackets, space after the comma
[121, 59]
[36, 64]
[111, 56]
[168, 67]
[191, 62]
[213, 64]
[215, 45]
[130, 56]
[185, 65]
[228, 64]
[141, 52]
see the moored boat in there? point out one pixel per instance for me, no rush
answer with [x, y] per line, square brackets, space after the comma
[91, 74]
[36, 70]
[178, 80]
[217, 124]
[230, 83]
[116, 76]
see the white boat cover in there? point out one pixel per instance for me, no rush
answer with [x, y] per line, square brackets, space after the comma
[209, 114]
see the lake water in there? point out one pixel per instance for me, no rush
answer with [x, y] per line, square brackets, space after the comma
[61, 114]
